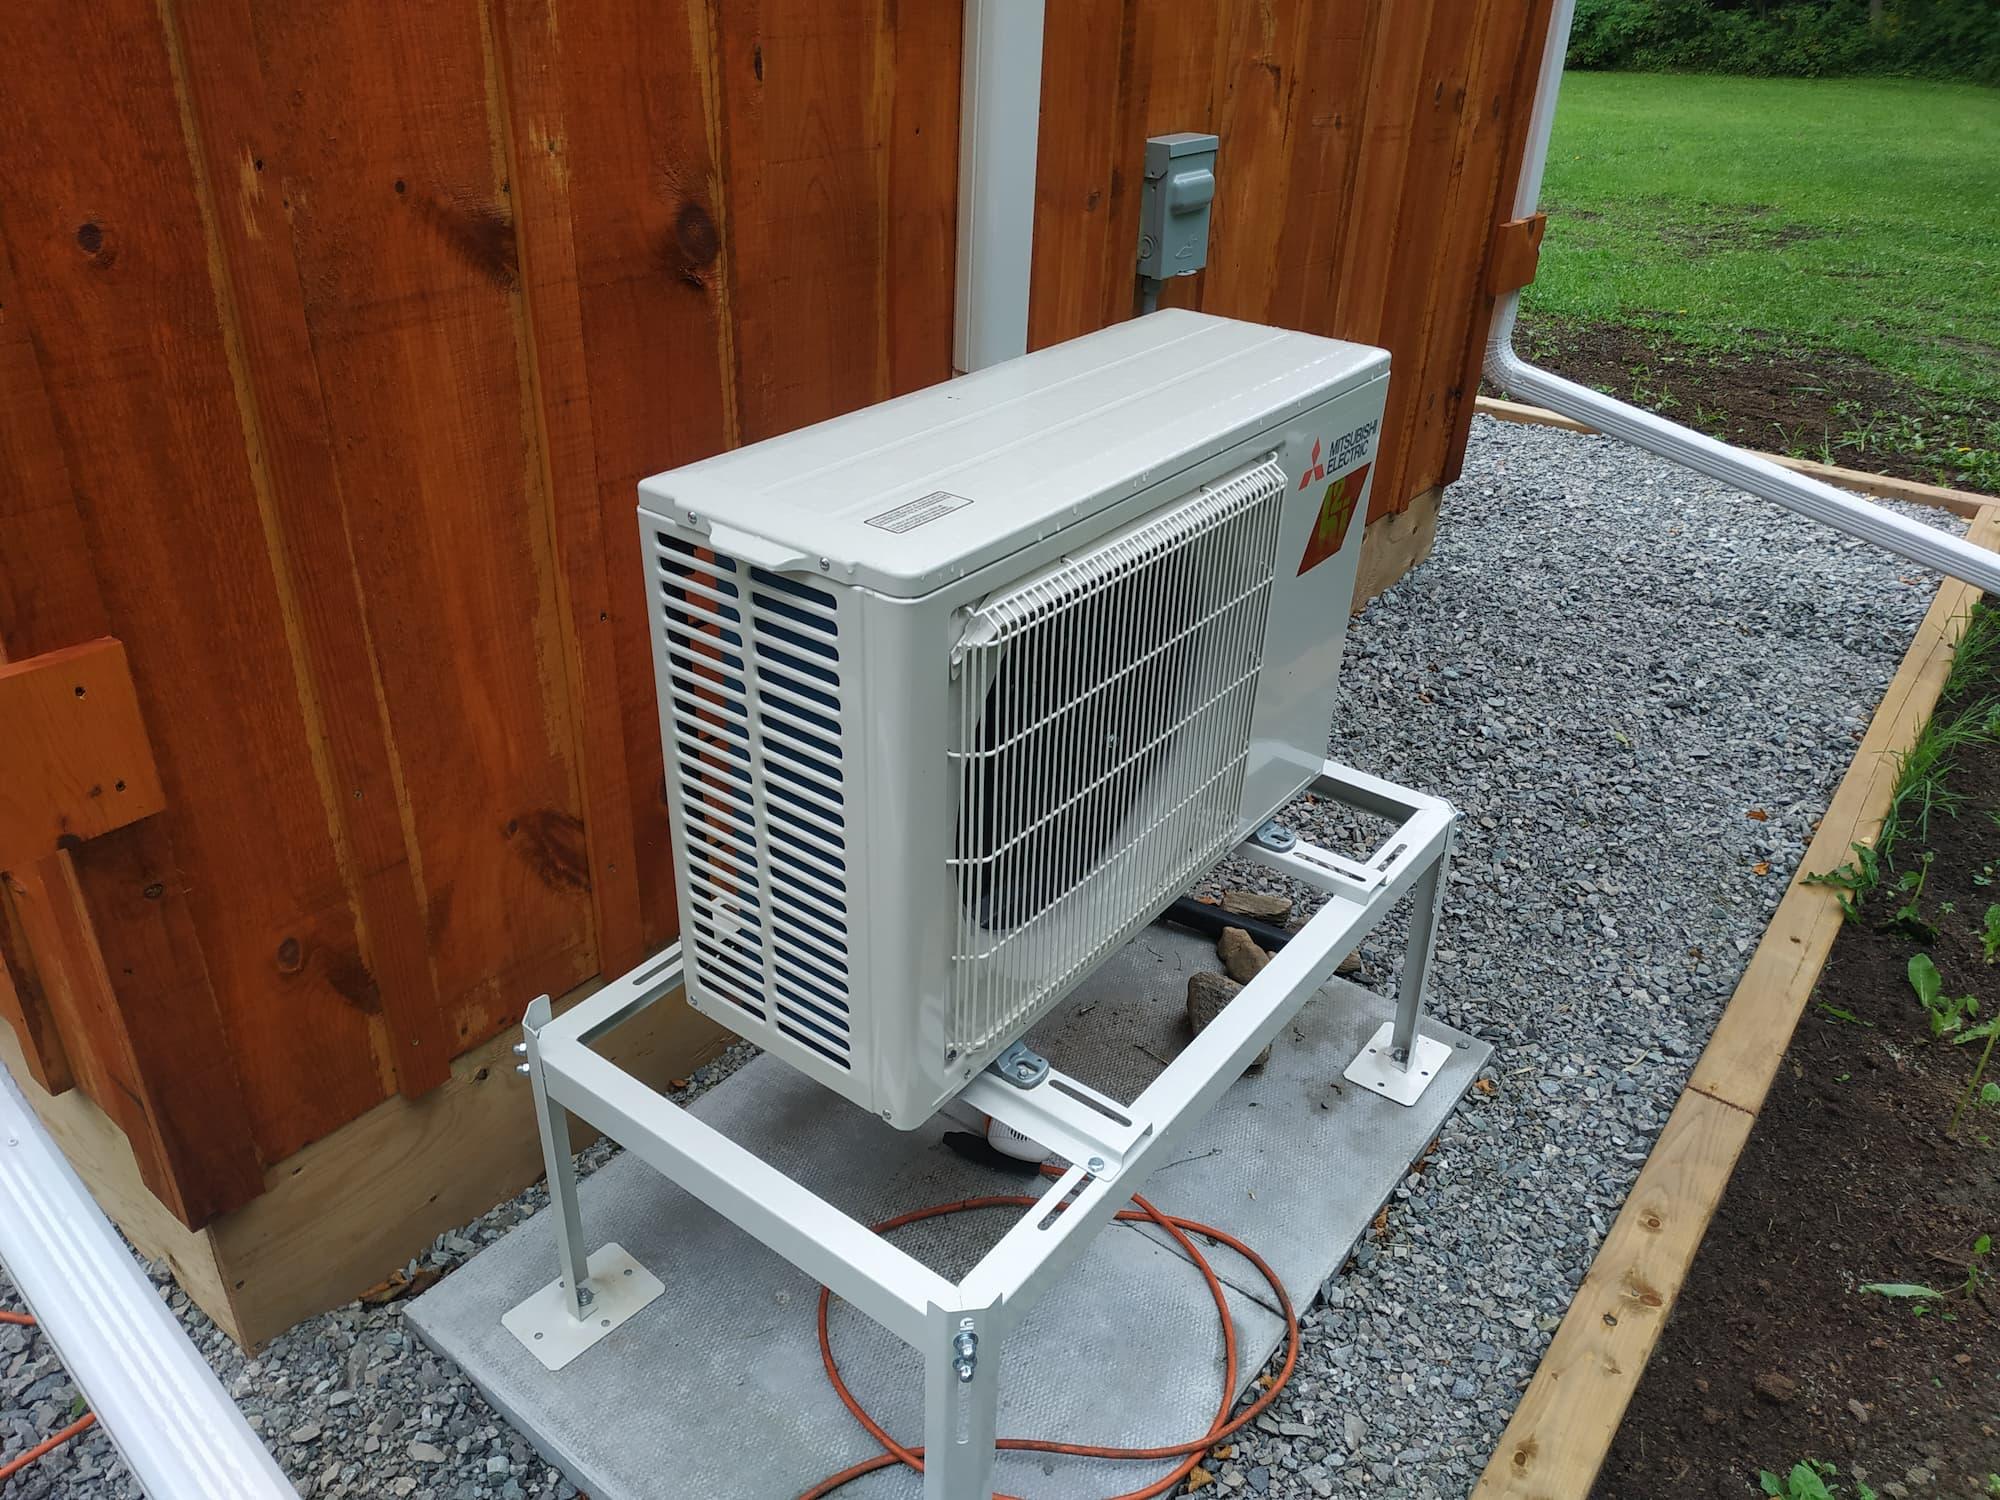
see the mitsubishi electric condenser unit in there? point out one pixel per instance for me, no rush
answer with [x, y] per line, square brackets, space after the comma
[961, 690]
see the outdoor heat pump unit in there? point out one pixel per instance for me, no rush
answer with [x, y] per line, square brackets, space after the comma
[959, 691]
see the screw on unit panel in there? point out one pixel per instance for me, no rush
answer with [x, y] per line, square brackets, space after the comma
[1096, 1166]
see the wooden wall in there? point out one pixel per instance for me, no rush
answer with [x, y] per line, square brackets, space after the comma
[334, 337]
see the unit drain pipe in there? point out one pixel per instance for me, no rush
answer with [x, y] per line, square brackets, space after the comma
[1718, 460]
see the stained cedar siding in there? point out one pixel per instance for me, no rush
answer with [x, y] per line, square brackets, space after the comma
[309, 528]
[388, 134]
[1083, 173]
[529, 50]
[112, 272]
[637, 146]
[350, 468]
[806, 105]
[1417, 224]
[1514, 98]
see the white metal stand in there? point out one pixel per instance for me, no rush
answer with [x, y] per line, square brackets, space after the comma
[958, 1329]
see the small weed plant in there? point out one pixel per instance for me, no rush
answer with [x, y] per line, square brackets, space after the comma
[1989, 935]
[1948, 1014]
[1811, 1480]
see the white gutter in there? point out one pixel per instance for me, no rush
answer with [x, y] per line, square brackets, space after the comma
[999, 124]
[1821, 502]
[172, 1422]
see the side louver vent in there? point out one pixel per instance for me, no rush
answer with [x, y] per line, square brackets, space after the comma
[753, 669]
[1103, 723]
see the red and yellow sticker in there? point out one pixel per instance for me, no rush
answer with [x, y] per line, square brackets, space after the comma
[1336, 509]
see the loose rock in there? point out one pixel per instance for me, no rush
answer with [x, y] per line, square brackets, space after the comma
[1207, 994]
[1240, 955]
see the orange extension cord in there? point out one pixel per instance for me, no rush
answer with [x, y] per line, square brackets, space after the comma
[1189, 1453]
[82, 1424]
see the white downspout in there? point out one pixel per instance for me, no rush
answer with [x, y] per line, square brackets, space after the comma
[1821, 502]
[170, 1419]
[1000, 111]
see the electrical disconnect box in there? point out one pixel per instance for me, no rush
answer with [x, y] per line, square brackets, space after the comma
[1174, 204]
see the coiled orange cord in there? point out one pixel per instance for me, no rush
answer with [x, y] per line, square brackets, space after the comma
[83, 1424]
[1189, 1453]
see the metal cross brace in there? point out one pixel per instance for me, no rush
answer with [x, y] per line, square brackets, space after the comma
[1112, 1146]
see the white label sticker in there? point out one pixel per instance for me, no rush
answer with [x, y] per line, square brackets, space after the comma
[919, 512]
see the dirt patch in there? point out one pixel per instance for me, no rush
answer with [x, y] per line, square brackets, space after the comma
[1773, 1355]
[1771, 396]
[1736, 226]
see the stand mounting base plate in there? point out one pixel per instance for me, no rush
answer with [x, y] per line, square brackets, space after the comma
[1376, 1070]
[620, 1289]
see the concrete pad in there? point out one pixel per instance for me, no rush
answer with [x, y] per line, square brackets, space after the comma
[715, 1389]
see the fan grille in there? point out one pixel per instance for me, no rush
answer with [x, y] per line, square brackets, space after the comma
[752, 668]
[1103, 726]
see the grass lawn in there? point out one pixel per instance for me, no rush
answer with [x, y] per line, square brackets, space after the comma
[1798, 217]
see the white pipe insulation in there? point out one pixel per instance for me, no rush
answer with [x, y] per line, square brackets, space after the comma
[1821, 502]
[999, 126]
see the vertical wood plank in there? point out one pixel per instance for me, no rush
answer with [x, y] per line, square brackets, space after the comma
[919, 202]
[390, 164]
[1084, 171]
[133, 896]
[121, 964]
[114, 284]
[1361, 297]
[531, 49]
[1466, 230]
[1430, 195]
[1517, 104]
[805, 114]
[307, 527]
[1331, 63]
[1262, 74]
[49, 596]
[639, 131]
[24, 1000]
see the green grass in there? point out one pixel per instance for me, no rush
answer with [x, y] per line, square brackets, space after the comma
[1861, 215]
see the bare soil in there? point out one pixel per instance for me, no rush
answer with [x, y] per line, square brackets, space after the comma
[1769, 395]
[1773, 1354]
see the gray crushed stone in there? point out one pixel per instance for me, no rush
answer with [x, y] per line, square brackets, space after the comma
[1608, 665]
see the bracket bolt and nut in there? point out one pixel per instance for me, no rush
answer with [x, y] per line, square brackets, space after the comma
[966, 1347]
[1096, 1165]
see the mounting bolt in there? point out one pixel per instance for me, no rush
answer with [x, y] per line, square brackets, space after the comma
[523, 1069]
[1096, 1165]
[520, 1049]
[966, 1347]
[824, 565]
[951, 1054]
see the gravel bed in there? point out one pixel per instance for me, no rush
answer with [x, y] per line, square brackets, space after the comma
[1610, 666]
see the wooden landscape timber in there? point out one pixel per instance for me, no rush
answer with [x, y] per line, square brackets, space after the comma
[1560, 1433]
[327, 405]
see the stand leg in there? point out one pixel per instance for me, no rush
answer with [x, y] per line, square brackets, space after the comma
[959, 1413]
[559, 1160]
[1425, 909]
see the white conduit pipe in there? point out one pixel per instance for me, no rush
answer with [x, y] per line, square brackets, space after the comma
[999, 126]
[173, 1424]
[1821, 502]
